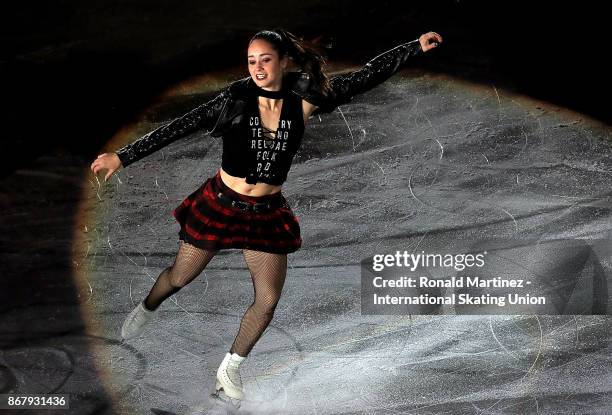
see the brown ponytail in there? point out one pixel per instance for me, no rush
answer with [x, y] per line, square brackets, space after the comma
[304, 54]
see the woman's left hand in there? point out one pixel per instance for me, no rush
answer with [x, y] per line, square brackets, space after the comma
[429, 40]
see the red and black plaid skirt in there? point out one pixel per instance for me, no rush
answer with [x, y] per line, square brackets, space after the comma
[209, 224]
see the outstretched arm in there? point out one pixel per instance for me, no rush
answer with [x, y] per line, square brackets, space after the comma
[203, 116]
[377, 70]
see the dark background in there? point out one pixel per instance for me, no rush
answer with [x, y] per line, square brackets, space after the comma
[73, 72]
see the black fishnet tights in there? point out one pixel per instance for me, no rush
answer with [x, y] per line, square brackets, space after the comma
[268, 273]
[190, 261]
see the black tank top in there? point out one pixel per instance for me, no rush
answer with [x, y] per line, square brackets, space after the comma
[261, 155]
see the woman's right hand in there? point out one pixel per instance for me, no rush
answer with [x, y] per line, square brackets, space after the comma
[106, 161]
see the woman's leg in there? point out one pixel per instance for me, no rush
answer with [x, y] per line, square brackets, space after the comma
[268, 273]
[190, 261]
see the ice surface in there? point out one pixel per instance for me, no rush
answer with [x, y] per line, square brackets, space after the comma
[420, 161]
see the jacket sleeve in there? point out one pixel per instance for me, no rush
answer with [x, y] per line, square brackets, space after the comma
[203, 116]
[377, 70]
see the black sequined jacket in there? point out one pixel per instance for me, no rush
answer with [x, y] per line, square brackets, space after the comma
[224, 110]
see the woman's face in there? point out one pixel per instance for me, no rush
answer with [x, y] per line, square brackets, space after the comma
[265, 67]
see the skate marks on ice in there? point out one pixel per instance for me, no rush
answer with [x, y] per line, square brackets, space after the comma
[442, 364]
[458, 159]
[41, 365]
[420, 160]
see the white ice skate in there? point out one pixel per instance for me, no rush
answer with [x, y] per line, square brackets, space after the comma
[228, 376]
[133, 326]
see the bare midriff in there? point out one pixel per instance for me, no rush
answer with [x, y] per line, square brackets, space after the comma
[239, 185]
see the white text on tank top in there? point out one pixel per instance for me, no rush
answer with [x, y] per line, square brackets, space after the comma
[268, 149]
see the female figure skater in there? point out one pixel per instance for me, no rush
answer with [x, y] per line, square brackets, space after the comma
[261, 119]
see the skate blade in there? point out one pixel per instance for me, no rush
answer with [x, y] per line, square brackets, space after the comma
[220, 396]
[219, 387]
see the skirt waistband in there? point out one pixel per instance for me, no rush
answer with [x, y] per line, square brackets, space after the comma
[275, 198]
